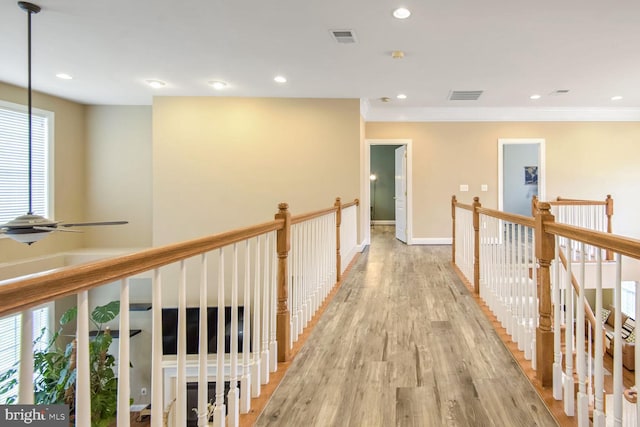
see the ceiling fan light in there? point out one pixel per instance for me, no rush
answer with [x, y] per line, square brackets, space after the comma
[28, 238]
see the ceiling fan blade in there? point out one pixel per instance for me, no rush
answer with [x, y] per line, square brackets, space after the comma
[89, 224]
[54, 229]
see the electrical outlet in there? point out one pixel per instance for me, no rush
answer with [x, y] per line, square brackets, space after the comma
[143, 391]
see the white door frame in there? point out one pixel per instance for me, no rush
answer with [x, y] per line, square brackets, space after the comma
[366, 187]
[542, 184]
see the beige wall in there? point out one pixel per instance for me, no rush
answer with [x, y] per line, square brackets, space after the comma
[221, 163]
[69, 173]
[119, 175]
[585, 160]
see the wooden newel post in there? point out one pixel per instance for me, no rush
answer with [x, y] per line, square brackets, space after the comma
[609, 211]
[476, 245]
[283, 317]
[453, 228]
[545, 253]
[338, 206]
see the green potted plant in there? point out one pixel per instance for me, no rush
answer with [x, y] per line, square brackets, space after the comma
[55, 368]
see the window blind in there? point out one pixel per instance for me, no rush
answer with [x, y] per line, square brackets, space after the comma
[10, 330]
[14, 163]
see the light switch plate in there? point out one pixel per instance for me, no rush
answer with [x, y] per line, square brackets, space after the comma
[484, 187]
[464, 187]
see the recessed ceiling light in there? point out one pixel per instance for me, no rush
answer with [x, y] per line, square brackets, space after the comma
[280, 79]
[401, 13]
[401, 96]
[616, 98]
[64, 76]
[156, 84]
[218, 85]
[536, 96]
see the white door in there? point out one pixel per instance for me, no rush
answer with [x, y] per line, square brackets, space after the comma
[401, 193]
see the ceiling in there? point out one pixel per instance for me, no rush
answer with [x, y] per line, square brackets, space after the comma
[508, 49]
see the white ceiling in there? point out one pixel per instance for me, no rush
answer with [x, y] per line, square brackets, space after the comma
[510, 49]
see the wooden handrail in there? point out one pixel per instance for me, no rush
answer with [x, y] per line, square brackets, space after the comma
[25, 292]
[616, 243]
[576, 202]
[312, 215]
[464, 206]
[509, 217]
[355, 202]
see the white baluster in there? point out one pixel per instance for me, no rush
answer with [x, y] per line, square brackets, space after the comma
[599, 419]
[219, 407]
[157, 405]
[25, 382]
[181, 376]
[583, 403]
[245, 382]
[233, 416]
[294, 260]
[83, 379]
[264, 358]
[255, 367]
[273, 343]
[203, 347]
[124, 389]
[617, 347]
[569, 397]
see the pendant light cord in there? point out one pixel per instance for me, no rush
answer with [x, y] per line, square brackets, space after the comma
[30, 129]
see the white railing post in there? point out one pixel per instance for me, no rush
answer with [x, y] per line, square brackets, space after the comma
[617, 347]
[83, 379]
[157, 404]
[245, 382]
[25, 376]
[124, 383]
[233, 416]
[599, 419]
[583, 404]
[569, 397]
[181, 376]
[219, 406]
[203, 347]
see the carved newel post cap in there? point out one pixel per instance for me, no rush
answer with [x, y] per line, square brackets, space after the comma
[476, 199]
[283, 206]
[544, 206]
[357, 202]
[453, 198]
[338, 200]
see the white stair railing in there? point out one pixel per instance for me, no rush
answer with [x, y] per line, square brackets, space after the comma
[232, 280]
[508, 277]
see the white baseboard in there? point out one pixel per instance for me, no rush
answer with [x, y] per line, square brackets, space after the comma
[383, 222]
[431, 241]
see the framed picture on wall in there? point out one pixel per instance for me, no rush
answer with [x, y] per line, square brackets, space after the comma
[530, 175]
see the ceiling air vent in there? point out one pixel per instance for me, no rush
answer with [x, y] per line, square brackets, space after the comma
[464, 95]
[343, 36]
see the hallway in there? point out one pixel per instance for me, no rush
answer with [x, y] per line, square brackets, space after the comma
[403, 343]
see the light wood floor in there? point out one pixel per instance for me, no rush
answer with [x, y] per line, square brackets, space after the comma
[403, 343]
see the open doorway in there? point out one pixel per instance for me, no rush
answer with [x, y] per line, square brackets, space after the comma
[387, 187]
[521, 173]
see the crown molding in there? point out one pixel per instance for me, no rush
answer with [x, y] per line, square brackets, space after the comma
[488, 114]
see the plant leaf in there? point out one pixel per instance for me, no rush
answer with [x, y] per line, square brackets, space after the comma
[105, 313]
[69, 315]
